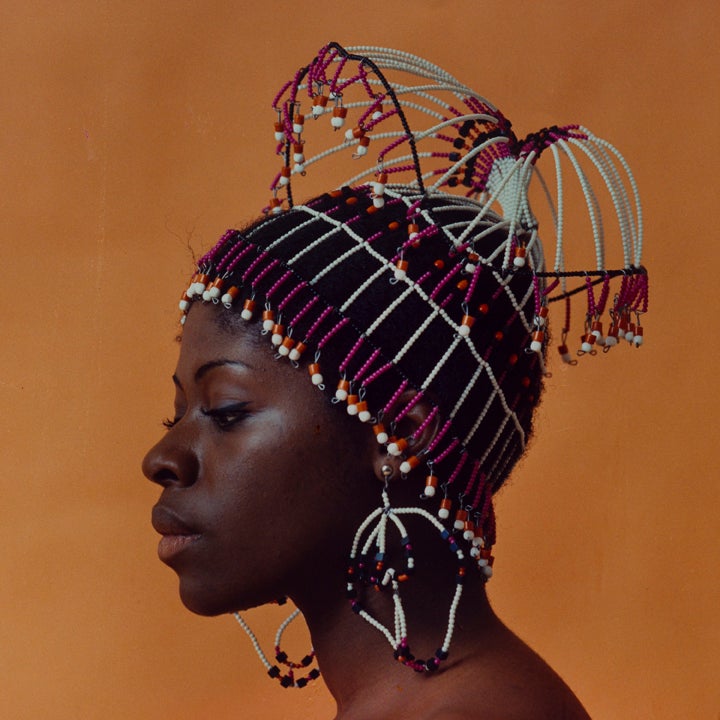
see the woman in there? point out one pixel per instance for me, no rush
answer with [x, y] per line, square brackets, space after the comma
[418, 303]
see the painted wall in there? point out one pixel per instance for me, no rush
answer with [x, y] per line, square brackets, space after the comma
[132, 130]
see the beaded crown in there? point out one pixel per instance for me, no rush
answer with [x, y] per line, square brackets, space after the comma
[424, 269]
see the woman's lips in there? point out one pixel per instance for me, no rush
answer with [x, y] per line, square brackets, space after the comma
[176, 533]
[171, 545]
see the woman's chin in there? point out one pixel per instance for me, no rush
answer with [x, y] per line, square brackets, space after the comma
[201, 599]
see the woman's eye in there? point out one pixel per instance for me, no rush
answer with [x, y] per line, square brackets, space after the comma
[227, 416]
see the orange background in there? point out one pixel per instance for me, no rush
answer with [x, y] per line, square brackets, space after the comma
[130, 129]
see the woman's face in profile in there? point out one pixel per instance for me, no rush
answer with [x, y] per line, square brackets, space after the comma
[255, 471]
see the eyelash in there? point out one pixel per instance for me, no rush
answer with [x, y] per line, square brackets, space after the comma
[224, 417]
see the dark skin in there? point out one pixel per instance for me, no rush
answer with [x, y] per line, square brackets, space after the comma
[263, 486]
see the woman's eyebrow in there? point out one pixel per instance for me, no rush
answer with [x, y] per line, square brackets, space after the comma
[211, 365]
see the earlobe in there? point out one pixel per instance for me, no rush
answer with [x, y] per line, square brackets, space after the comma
[413, 424]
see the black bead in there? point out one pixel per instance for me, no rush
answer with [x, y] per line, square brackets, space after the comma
[274, 671]
[459, 143]
[306, 660]
[453, 157]
[281, 656]
[302, 682]
[432, 664]
[441, 654]
[286, 681]
[314, 674]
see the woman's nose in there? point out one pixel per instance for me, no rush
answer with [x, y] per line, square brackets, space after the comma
[171, 461]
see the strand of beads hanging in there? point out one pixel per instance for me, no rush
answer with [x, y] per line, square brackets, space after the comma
[623, 314]
[372, 565]
[286, 679]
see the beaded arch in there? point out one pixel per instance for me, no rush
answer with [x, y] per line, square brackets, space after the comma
[445, 289]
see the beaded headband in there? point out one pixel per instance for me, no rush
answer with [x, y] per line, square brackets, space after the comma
[424, 269]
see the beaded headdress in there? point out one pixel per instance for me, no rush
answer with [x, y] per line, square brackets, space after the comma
[423, 270]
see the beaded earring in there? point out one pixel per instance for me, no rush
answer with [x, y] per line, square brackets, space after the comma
[286, 679]
[369, 566]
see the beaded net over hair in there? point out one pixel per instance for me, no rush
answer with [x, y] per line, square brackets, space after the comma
[422, 276]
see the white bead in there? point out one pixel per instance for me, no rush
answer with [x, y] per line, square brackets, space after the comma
[199, 288]
[482, 562]
[316, 379]
[536, 346]
[190, 292]
[360, 150]
[364, 416]
[429, 491]
[621, 333]
[184, 305]
[276, 210]
[638, 340]
[276, 339]
[297, 128]
[298, 158]
[474, 552]
[244, 314]
[341, 394]
[519, 262]
[376, 115]
[299, 168]
[443, 513]
[478, 541]
[382, 437]
[468, 535]
[283, 180]
[470, 268]
[629, 335]
[214, 292]
[352, 409]
[282, 350]
[458, 524]
[464, 330]
[183, 319]
[226, 299]
[566, 357]
[488, 571]
[412, 236]
[268, 325]
[405, 467]
[540, 321]
[349, 134]
[586, 347]
[294, 355]
[393, 449]
[610, 341]
[378, 187]
[206, 296]
[279, 136]
[317, 110]
[411, 563]
[337, 122]
[379, 202]
[400, 274]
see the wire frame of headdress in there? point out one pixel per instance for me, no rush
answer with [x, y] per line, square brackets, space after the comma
[410, 127]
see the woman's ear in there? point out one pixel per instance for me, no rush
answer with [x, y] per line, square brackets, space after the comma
[412, 423]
